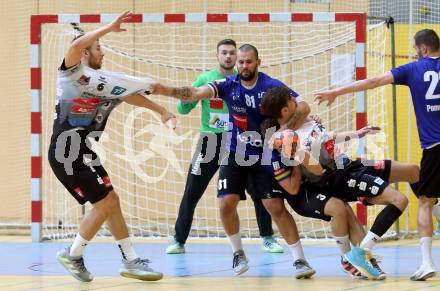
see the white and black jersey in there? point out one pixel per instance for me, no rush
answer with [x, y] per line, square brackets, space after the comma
[85, 97]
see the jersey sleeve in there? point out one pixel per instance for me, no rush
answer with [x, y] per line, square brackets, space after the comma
[220, 88]
[278, 169]
[401, 74]
[278, 83]
[123, 85]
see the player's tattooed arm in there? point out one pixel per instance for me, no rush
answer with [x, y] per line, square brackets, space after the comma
[184, 93]
[299, 116]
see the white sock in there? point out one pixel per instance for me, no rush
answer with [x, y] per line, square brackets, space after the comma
[127, 250]
[297, 251]
[426, 246]
[235, 241]
[343, 243]
[369, 241]
[78, 245]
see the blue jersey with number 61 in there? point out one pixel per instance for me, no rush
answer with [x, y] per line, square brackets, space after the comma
[422, 77]
[244, 110]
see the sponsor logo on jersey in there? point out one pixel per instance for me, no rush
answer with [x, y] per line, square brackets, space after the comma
[238, 109]
[82, 109]
[276, 165]
[117, 90]
[83, 80]
[219, 120]
[87, 101]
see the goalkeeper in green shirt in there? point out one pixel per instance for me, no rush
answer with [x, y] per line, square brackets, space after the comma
[215, 122]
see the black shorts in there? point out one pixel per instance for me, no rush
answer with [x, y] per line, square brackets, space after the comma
[356, 182]
[233, 178]
[309, 202]
[429, 183]
[84, 179]
[379, 168]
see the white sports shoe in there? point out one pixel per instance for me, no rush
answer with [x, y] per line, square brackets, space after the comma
[240, 263]
[139, 269]
[424, 272]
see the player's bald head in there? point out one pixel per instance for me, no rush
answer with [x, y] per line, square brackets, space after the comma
[249, 48]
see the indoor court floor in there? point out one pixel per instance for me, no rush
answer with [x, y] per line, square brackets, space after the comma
[205, 266]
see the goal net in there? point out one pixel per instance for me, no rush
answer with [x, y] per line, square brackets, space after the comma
[148, 162]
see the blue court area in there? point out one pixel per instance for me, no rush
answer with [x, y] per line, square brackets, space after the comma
[204, 260]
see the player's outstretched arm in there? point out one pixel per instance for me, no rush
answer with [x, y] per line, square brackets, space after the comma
[142, 101]
[185, 93]
[348, 135]
[73, 54]
[371, 83]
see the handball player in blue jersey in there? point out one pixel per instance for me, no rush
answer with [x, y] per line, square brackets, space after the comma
[242, 94]
[422, 77]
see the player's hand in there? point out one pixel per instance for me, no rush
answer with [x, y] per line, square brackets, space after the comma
[115, 25]
[316, 118]
[169, 119]
[367, 130]
[328, 96]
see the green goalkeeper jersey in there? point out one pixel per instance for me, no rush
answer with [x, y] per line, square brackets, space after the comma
[215, 114]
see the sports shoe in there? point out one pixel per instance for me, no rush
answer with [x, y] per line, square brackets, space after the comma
[302, 269]
[424, 272]
[75, 265]
[375, 263]
[270, 245]
[175, 247]
[351, 270]
[359, 258]
[240, 263]
[138, 269]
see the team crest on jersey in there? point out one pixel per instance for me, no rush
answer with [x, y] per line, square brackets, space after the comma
[83, 80]
[276, 165]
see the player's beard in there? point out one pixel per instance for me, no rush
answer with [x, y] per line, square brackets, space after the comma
[95, 65]
[249, 77]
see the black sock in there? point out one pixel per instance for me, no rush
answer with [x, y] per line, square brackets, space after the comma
[385, 219]
[414, 187]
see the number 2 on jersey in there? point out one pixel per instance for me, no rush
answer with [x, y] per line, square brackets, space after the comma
[433, 77]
